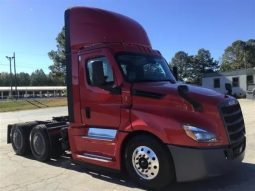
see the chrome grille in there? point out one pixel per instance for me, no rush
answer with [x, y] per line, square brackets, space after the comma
[233, 120]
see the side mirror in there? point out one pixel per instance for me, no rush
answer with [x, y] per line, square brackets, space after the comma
[228, 87]
[175, 72]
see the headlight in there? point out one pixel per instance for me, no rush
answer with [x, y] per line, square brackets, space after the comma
[199, 135]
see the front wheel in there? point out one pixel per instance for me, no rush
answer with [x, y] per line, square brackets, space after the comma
[149, 163]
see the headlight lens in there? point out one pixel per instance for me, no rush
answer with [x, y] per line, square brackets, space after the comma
[198, 134]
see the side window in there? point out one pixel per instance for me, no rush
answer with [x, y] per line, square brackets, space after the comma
[250, 79]
[235, 82]
[216, 83]
[99, 73]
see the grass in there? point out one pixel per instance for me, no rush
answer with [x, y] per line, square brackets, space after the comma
[17, 105]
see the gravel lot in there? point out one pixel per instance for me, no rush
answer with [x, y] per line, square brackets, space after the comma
[24, 173]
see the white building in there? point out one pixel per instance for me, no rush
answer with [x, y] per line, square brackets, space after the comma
[32, 92]
[242, 81]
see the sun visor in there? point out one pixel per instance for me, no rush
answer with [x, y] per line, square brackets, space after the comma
[87, 26]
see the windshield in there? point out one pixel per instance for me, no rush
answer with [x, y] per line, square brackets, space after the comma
[144, 68]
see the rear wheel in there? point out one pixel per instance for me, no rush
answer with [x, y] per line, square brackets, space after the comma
[149, 163]
[19, 140]
[40, 143]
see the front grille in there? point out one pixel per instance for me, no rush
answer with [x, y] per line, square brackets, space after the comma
[233, 120]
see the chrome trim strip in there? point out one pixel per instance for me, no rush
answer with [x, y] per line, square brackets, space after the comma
[93, 138]
[95, 157]
[100, 133]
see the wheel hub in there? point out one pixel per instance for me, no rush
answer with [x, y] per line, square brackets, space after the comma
[39, 144]
[145, 162]
[17, 139]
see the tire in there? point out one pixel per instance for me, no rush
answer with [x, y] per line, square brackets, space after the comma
[40, 143]
[19, 140]
[149, 163]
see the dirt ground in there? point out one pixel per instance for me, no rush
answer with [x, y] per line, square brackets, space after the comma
[24, 173]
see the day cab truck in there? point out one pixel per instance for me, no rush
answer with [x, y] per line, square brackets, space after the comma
[128, 113]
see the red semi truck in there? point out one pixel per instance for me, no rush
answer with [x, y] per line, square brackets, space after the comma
[127, 112]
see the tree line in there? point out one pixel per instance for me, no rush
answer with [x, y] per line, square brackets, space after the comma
[239, 55]
[36, 78]
[191, 68]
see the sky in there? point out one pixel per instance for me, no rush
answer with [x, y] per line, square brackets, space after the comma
[29, 27]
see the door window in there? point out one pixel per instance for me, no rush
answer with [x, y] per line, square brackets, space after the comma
[250, 79]
[235, 82]
[99, 73]
[216, 83]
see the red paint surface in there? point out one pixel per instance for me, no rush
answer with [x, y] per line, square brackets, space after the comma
[96, 33]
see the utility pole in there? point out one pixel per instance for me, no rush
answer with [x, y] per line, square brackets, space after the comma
[10, 60]
[245, 64]
[15, 75]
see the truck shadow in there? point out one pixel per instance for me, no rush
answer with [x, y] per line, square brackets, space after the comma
[100, 173]
[241, 178]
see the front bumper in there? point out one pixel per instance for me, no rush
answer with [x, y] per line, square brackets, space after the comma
[195, 163]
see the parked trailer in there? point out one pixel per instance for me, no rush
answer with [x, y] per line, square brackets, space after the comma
[128, 113]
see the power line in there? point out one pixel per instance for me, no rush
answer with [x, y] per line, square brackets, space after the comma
[24, 65]
[28, 53]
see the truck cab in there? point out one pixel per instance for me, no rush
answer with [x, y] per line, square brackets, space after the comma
[127, 111]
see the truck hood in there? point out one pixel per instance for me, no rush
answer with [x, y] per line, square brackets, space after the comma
[162, 89]
[161, 105]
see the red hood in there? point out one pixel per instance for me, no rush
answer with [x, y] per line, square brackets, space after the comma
[166, 88]
[168, 109]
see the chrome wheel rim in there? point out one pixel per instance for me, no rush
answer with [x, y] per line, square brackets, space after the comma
[145, 162]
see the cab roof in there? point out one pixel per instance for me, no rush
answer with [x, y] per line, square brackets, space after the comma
[88, 26]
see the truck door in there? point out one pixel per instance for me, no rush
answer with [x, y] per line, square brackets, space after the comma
[100, 96]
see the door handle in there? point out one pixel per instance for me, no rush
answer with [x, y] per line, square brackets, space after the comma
[88, 113]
